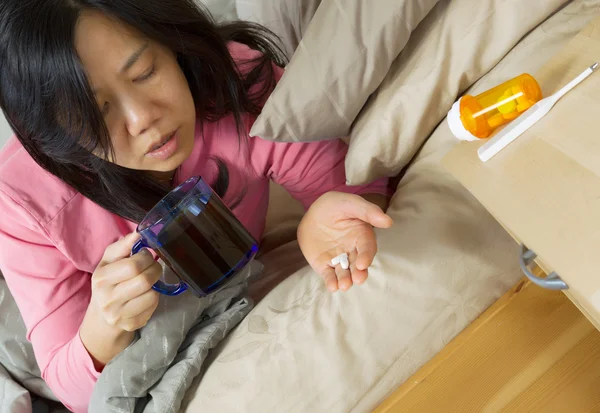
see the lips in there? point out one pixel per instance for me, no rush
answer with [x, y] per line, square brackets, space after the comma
[165, 148]
[160, 143]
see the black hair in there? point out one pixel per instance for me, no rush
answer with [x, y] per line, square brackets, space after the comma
[48, 102]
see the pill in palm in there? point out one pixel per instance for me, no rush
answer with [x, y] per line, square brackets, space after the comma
[344, 263]
[342, 260]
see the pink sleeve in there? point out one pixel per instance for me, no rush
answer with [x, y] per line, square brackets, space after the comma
[305, 170]
[53, 297]
[308, 170]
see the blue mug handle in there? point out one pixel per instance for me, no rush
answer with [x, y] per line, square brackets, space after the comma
[160, 286]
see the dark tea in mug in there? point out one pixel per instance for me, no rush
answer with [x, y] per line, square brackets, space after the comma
[198, 237]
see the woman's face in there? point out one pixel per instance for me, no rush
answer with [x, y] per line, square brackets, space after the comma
[142, 92]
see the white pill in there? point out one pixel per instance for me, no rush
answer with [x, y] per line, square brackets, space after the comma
[339, 259]
[344, 263]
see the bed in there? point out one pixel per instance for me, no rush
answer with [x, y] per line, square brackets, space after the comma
[302, 349]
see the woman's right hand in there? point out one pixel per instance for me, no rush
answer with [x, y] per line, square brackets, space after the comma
[122, 300]
[122, 285]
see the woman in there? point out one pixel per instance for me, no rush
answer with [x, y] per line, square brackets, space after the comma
[113, 102]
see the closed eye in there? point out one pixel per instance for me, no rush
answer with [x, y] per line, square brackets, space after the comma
[147, 75]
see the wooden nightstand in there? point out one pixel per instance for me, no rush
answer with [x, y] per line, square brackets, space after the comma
[544, 188]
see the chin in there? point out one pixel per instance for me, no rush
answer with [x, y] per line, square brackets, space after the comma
[183, 152]
[172, 163]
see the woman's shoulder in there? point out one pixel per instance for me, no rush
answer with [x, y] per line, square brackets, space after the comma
[241, 51]
[245, 57]
[38, 208]
[26, 185]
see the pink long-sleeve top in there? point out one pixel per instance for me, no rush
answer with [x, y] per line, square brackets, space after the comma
[52, 238]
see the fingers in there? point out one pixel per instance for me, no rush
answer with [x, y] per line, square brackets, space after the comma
[344, 279]
[123, 299]
[337, 278]
[324, 268]
[120, 249]
[132, 313]
[330, 278]
[140, 305]
[375, 216]
[359, 276]
[138, 285]
[359, 208]
[128, 268]
[143, 307]
[366, 249]
[122, 285]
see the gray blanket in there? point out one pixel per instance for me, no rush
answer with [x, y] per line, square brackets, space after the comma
[154, 372]
[22, 389]
[151, 375]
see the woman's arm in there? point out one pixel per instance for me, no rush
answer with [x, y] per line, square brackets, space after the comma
[53, 297]
[308, 170]
[103, 342]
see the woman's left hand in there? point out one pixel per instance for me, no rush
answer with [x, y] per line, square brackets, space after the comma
[339, 223]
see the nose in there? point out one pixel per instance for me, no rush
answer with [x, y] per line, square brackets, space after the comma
[140, 114]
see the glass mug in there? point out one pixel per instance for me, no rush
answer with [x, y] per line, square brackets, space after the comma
[197, 237]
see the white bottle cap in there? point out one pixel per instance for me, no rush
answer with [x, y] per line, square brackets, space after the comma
[456, 126]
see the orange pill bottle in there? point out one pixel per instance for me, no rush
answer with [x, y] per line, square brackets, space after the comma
[473, 118]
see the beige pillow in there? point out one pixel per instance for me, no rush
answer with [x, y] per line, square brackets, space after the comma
[345, 53]
[455, 45]
[288, 19]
